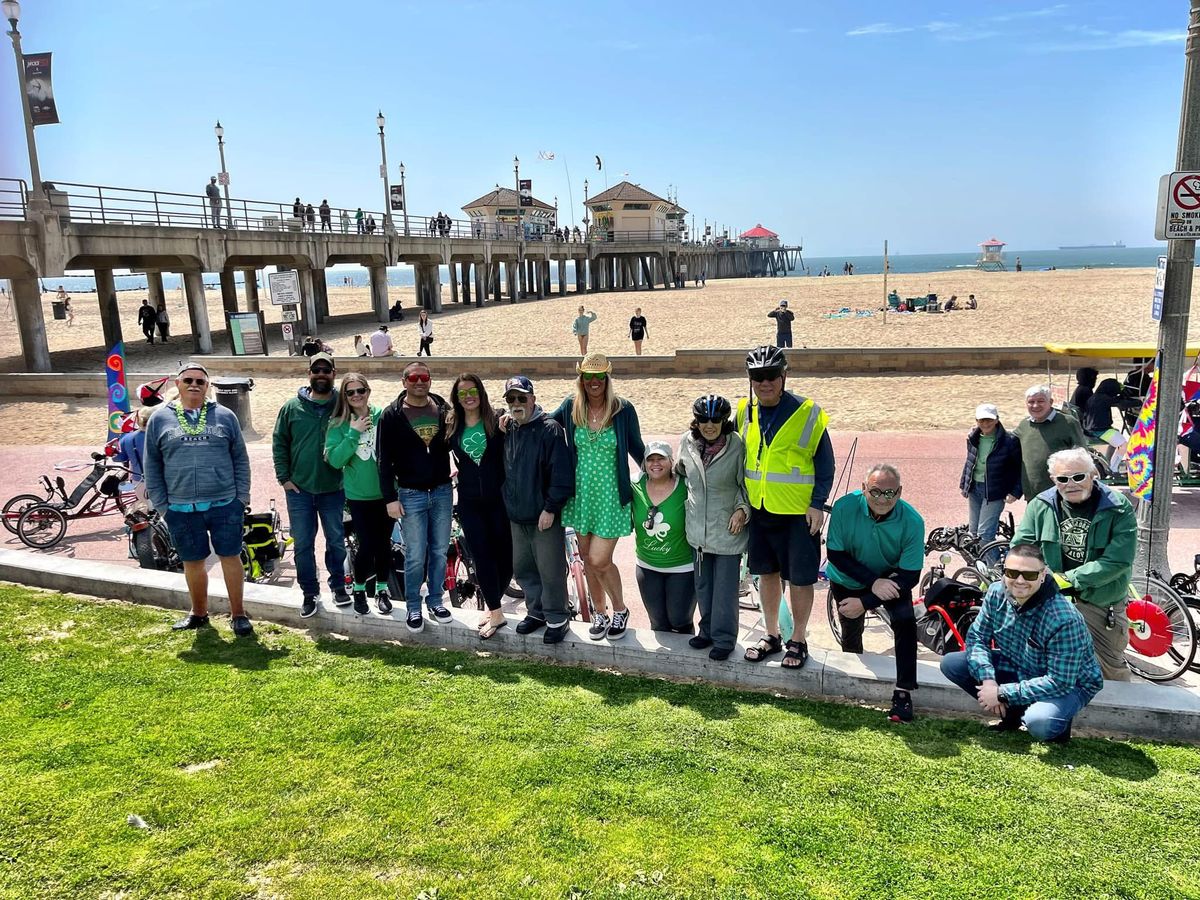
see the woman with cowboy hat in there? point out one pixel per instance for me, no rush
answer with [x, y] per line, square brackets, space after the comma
[602, 431]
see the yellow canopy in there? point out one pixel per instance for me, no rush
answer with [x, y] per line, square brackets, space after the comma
[1112, 351]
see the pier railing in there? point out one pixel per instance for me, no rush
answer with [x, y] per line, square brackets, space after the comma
[13, 194]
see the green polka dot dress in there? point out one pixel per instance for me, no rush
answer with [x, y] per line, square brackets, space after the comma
[596, 507]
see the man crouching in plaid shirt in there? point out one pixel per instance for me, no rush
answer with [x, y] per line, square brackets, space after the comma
[1043, 669]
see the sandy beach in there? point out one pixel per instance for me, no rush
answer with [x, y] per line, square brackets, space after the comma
[1015, 309]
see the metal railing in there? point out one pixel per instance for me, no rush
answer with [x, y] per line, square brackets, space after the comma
[632, 237]
[13, 198]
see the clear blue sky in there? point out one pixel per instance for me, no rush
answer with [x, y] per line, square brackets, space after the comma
[934, 125]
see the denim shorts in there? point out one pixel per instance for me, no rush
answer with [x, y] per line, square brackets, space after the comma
[191, 530]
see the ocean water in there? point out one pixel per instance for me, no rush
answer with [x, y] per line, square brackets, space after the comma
[1031, 260]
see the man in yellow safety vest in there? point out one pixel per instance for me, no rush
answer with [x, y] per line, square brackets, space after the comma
[789, 474]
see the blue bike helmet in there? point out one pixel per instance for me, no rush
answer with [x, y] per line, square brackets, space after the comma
[712, 407]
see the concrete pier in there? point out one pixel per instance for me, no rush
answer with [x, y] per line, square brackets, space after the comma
[379, 292]
[250, 281]
[110, 315]
[31, 323]
[193, 286]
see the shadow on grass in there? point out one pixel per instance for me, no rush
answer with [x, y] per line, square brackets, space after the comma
[210, 648]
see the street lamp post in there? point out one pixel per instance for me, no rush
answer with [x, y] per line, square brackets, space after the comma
[12, 11]
[224, 174]
[585, 210]
[387, 189]
[517, 185]
[404, 199]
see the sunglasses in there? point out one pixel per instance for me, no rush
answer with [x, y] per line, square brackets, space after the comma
[354, 392]
[593, 376]
[766, 375]
[321, 370]
[468, 392]
[516, 398]
[709, 420]
[650, 514]
[417, 377]
[1075, 478]
[1022, 575]
[884, 494]
[197, 381]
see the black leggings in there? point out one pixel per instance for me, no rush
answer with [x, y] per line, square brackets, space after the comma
[904, 630]
[424, 348]
[489, 540]
[373, 529]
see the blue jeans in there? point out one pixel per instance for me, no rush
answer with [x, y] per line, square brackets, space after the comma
[426, 528]
[983, 515]
[1045, 719]
[303, 510]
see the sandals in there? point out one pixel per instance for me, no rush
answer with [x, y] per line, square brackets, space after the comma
[488, 629]
[796, 650]
[767, 646]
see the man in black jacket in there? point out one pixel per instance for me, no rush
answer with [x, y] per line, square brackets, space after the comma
[414, 476]
[539, 478]
[146, 319]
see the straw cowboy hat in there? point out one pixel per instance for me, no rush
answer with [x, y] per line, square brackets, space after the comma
[594, 364]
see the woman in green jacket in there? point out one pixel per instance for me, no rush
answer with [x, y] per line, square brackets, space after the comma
[350, 444]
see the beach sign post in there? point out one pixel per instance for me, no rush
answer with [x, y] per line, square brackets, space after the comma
[1160, 284]
[1178, 207]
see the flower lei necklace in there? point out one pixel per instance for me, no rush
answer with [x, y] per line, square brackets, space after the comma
[188, 429]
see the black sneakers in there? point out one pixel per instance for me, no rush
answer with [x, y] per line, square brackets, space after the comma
[530, 624]
[555, 633]
[415, 622]
[190, 622]
[902, 709]
[620, 621]
[699, 642]
[442, 615]
[308, 607]
[341, 598]
[383, 602]
[360, 603]
[242, 626]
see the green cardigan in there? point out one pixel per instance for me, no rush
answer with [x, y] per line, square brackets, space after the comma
[1112, 542]
[360, 477]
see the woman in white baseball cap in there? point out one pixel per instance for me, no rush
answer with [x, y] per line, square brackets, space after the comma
[991, 474]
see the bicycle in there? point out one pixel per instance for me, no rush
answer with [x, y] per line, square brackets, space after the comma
[150, 541]
[579, 601]
[42, 525]
[1188, 586]
[265, 540]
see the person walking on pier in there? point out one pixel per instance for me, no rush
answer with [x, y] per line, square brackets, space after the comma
[326, 216]
[214, 201]
[783, 324]
[581, 327]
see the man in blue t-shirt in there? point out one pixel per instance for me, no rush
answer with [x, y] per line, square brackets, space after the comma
[875, 548]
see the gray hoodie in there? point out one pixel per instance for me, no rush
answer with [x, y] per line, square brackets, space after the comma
[713, 494]
[211, 467]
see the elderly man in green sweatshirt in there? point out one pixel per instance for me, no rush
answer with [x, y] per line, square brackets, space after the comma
[1087, 533]
[1043, 432]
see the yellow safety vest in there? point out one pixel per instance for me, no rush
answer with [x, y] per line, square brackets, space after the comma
[780, 476]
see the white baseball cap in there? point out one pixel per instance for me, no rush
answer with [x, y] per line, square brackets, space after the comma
[987, 411]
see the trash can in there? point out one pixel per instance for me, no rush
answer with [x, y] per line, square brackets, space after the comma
[234, 394]
[60, 308]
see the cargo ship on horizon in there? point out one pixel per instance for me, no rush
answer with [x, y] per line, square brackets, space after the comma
[1115, 245]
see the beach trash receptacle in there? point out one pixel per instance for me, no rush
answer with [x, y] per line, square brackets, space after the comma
[59, 307]
[234, 395]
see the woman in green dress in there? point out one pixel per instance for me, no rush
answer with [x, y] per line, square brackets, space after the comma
[603, 434]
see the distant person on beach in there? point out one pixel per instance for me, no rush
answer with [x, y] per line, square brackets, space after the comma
[344, 219]
[951, 304]
[146, 320]
[396, 313]
[359, 224]
[69, 311]
[326, 216]
[1043, 432]
[425, 332]
[783, 324]
[581, 328]
[1018, 264]
[638, 330]
[163, 320]
[361, 347]
[972, 303]
[380, 342]
[789, 475]
[214, 201]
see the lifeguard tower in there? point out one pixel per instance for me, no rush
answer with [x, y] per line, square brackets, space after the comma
[991, 256]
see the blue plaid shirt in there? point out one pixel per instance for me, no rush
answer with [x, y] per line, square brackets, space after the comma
[1045, 643]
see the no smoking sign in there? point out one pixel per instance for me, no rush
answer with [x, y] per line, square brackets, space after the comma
[1178, 207]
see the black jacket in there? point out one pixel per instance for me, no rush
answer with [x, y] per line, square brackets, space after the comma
[404, 460]
[1097, 415]
[538, 471]
[1003, 475]
[483, 482]
[146, 314]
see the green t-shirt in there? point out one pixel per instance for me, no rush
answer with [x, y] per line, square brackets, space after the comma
[474, 441]
[986, 443]
[897, 542]
[664, 547]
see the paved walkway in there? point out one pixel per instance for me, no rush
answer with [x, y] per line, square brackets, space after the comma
[929, 462]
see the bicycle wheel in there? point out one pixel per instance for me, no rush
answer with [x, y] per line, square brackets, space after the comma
[1193, 607]
[41, 527]
[1162, 632]
[143, 547]
[835, 622]
[991, 559]
[1183, 583]
[972, 576]
[578, 589]
[17, 505]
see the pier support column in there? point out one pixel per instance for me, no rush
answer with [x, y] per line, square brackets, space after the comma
[110, 318]
[466, 283]
[547, 285]
[193, 286]
[228, 291]
[480, 296]
[320, 294]
[435, 287]
[510, 270]
[250, 281]
[379, 292]
[154, 290]
[647, 274]
[31, 323]
[539, 278]
[562, 276]
[453, 273]
[308, 306]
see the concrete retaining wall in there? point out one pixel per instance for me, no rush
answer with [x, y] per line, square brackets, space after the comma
[848, 361]
[1161, 712]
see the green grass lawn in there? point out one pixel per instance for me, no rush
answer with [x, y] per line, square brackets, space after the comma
[293, 767]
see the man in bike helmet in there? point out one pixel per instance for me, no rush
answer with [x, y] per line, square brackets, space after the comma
[789, 474]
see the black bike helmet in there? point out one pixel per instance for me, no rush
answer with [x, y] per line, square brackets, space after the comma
[712, 407]
[767, 356]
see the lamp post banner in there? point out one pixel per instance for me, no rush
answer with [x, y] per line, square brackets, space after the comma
[526, 188]
[39, 89]
[397, 197]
